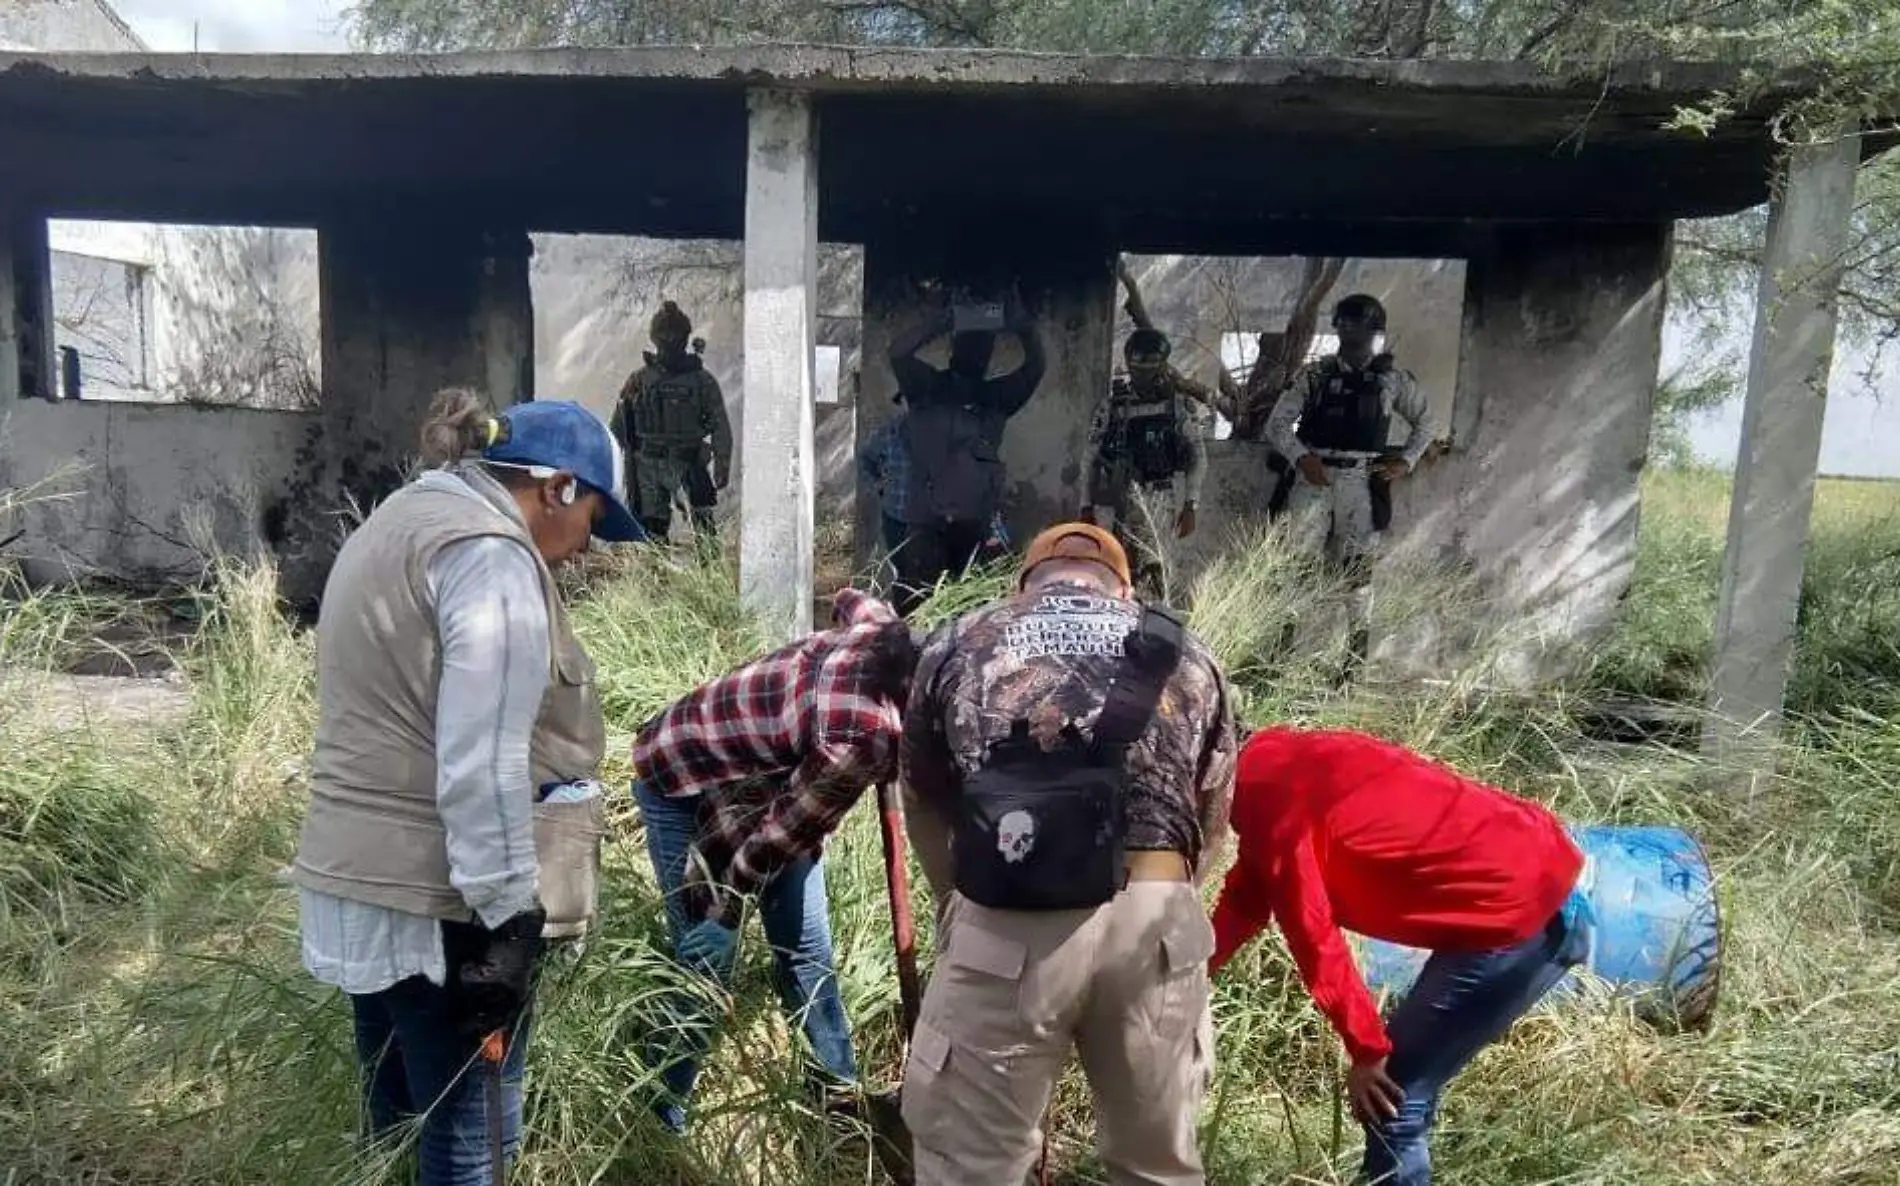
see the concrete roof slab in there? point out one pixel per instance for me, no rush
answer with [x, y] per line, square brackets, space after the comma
[1212, 155]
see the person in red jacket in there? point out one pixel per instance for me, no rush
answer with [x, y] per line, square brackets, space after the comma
[1339, 829]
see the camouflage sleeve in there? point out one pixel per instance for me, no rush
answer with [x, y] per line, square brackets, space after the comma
[1231, 395]
[714, 422]
[617, 423]
[622, 422]
[1286, 416]
[1194, 389]
[1216, 782]
[1188, 426]
[929, 767]
[1410, 403]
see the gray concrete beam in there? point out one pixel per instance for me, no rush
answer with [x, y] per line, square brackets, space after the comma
[1781, 443]
[778, 471]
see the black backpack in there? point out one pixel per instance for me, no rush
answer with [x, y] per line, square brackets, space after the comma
[1044, 829]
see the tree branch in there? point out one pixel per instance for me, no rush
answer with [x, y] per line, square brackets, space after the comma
[1137, 309]
[1421, 35]
[1555, 25]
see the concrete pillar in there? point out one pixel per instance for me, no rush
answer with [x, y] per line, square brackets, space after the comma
[1788, 368]
[1070, 288]
[778, 476]
[1541, 494]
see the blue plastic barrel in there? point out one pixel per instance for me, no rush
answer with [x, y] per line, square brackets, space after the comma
[1658, 933]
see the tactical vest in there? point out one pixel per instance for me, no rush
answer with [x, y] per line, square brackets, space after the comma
[1345, 410]
[1145, 432]
[665, 410]
[956, 475]
[1047, 829]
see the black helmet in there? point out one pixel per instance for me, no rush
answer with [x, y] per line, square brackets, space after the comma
[670, 324]
[1148, 341]
[1362, 309]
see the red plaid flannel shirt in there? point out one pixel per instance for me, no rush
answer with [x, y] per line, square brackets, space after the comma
[778, 751]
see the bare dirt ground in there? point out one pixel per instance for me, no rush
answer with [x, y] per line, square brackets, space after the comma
[125, 676]
[79, 701]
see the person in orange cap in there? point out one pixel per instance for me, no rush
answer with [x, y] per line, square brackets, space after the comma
[1069, 757]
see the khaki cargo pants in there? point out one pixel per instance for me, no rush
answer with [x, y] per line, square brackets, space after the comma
[1125, 984]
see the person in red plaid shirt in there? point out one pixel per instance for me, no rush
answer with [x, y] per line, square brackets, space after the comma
[739, 783]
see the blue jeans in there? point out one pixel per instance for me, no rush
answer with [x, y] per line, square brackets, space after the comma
[795, 914]
[415, 1062]
[1461, 1002]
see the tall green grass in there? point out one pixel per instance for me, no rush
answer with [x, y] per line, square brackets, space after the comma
[164, 1033]
[1849, 652]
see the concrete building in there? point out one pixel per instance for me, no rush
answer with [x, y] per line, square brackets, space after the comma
[424, 177]
[157, 314]
[78, 26]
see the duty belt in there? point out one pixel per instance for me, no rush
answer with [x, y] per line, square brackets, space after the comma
[1342, 462]
[665, 449]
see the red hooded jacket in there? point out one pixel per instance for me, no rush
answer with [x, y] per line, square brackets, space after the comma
[1339, 829]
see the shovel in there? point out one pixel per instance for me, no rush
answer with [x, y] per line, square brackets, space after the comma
[891, 1139]
[494, 1049]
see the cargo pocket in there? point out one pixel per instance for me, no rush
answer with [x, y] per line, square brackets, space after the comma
[1186, 947]
[567, 838]
[924, 1103]
[983, 987]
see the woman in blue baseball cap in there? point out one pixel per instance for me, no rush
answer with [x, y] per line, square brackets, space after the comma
[458, 734]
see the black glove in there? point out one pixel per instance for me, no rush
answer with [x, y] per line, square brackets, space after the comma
[491, 972]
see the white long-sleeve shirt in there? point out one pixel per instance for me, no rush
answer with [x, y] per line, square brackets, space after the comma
[493, 627]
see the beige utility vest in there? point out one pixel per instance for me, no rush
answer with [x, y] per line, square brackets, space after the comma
[372, 833]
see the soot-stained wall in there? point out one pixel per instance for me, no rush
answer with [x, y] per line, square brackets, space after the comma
[1069, 289]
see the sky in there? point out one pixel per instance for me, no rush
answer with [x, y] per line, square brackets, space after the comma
[1862, 432]
[238, 26]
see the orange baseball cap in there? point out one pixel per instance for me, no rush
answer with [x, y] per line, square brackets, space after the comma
[1076, 541]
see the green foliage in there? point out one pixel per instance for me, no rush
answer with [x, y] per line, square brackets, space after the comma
[1848, 658]
[164, 1033]
[1681, 394]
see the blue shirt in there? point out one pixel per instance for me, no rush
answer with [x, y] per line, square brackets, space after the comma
[885, 463]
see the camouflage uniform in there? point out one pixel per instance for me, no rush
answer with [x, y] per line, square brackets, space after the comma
[1124, 982]
[1343, 414]
[1149, 442]
[672, 419]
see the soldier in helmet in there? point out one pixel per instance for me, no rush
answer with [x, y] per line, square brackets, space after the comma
[1334, 423]
[1146, 437]
[670, 416]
